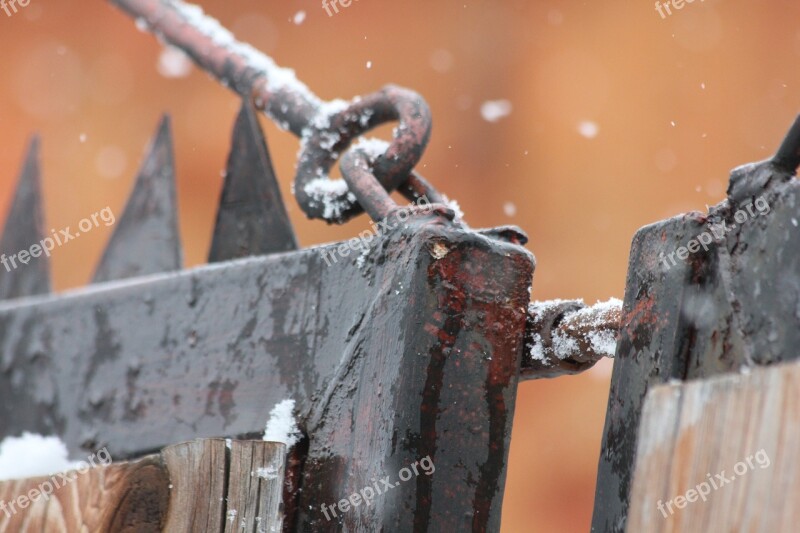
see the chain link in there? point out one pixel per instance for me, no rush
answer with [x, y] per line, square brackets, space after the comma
[326, 129]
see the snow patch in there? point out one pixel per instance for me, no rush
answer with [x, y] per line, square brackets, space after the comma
[564, 346]
[33, 455]
[334, 196]
[603, 341]
[372, 146]
[268, 473]
[536, 350]
[453, 204]
[282, 426]
[278, 78]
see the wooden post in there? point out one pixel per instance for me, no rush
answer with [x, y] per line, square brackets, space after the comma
[204, 485]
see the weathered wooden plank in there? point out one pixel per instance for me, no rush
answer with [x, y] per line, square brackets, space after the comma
[254, 496]
[194, 486]
[120, 497]
[406, 350]
[199, 478]
[230, 486]
[720, 454]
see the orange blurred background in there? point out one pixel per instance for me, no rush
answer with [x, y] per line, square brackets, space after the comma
[614, 118]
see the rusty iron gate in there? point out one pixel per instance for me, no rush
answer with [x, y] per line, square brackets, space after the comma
[404, 344]
[409, 347]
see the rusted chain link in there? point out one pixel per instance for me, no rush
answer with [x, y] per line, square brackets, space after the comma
[326, 129]
[566, 337]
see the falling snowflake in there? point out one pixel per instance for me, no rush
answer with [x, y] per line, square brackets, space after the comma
[588, 129]
[174, 63]
[494, 110]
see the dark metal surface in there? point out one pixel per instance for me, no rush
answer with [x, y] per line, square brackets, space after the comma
[25, 226]
[731, 305]
[650, 351]
[251, 219]
[427, 365]
[326, 129]
[146, 238]
[788, 155]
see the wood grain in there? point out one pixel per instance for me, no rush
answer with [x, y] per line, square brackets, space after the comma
[734, 438]
[120, 497]
[193, 486]
[255, 491]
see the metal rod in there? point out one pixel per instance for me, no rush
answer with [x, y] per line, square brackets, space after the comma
[566, 337]
[326, 128]
[236, 65]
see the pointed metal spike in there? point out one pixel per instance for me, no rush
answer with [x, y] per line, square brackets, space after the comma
[23, 235]
[146, 238]
[788, 155]
[252, 218]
